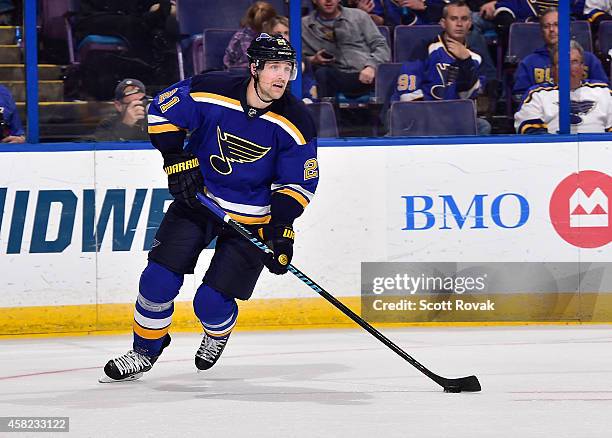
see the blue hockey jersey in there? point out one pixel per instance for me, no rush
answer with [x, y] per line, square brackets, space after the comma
[524, 10]
[250, 158]
[439, 77]
[536, 69]
[393, 14]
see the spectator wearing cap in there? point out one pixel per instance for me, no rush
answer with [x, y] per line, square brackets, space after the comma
[128, 123]
[11, 129]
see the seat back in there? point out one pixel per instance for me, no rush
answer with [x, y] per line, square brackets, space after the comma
[605, 37]
[324, 118]
[443, 117]
[526, 37]
[386, 76]
[410, 42]
[215, 42]
[195, 15]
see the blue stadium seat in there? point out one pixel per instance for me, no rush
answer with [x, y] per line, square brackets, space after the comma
[526, 37]
[386, 76]
[215, 42]
[410, 42]
[386, 32]
[324, 118]
[605, 38]
[195, 15]
[442, 117]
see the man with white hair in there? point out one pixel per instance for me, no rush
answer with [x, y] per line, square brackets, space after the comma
[590, 106]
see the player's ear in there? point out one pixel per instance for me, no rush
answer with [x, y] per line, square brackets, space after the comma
[252, 69]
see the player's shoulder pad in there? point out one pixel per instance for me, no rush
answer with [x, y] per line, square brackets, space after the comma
[295, 111]
[218, 82]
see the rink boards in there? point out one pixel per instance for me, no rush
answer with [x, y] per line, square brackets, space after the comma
[76, 224]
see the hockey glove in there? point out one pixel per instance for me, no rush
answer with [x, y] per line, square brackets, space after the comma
[184, 177]
[279, 239]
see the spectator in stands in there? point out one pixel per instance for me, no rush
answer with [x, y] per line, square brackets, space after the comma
[368, 7]
[505, 12]
[452, 71]
[407, 12]
[536, 68]
[416, 12]
[594, 11]
[11, 129]
[128, 123]
[277, 25]
[344, 48]
[590, 106]
[251, 25]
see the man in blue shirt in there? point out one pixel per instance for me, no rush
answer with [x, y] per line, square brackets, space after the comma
[11, 129]
[536, 68]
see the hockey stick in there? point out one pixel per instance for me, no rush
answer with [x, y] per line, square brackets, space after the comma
[463, 384]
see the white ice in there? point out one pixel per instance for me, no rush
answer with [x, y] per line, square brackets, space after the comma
[546, 381]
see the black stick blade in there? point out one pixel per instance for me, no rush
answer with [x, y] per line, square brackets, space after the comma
[463, 384]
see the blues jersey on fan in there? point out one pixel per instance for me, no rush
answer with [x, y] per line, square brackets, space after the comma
[439, 77]
[240, 148]
[525, 10]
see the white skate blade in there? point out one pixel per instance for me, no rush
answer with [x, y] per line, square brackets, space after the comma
[106, 379]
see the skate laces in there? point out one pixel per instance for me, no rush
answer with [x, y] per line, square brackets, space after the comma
[210, 348]
[132, 362]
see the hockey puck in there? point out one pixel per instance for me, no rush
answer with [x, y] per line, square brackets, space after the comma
[452, 389]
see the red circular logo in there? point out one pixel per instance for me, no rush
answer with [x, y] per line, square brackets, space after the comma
[580, 209]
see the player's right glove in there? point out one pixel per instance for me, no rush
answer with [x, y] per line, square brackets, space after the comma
[279, 238]
[184, 177]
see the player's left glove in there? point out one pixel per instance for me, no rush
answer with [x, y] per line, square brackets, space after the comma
[279, 239]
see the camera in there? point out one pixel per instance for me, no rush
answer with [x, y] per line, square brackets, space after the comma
[327, 55]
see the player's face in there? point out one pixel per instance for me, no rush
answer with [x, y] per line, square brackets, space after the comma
[457, 22]
[282, 29]
[273, 79]
[550, 28]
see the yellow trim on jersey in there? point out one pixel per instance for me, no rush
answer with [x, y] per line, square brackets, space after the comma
[295, 195]
[160, 129]
[533, 125]
[528, 98]
[250, 220]
[227, 100]
[214, 96]
[149, 333]
[593, 17]
[289, 125]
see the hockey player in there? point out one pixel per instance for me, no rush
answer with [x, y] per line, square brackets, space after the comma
[590, 106]
[252, 150]
[535, 68]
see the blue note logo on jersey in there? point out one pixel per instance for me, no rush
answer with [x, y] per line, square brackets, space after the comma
[580, 108]
[233, 149]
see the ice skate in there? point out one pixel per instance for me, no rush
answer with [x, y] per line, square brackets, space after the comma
[130, 366]
[210, 351]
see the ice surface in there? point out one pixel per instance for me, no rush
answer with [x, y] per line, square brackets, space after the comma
[546, 381]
